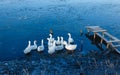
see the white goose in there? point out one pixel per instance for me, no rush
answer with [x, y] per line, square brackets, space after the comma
[60, 46]
[34, 47]
[41, 47]
[70, 47]
[49, 42]
[61, 40]
[28, 48]
[58, 40]
[51, 38]
[51, 49]
[70, 39]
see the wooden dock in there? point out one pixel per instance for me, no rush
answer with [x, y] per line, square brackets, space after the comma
[111, 41]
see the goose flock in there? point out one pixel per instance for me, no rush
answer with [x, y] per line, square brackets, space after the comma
[53, 45]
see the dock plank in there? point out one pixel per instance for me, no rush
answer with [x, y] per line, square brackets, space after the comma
[92, 26]
[102, 37]
[111, 36]
[97, 29]
[112, 41]
[115, 46]
[117, 50]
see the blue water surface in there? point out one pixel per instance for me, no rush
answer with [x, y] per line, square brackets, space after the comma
[21, 21]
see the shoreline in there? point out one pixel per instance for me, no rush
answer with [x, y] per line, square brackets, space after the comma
[64, 63]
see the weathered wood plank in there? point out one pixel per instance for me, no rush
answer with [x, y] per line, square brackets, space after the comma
[111, 36]
[117, 50]
[95, 31]
[113, 41]
[91, 27]
[102, 37]
[115, 46]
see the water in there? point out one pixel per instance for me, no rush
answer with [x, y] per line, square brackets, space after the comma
[23, 20]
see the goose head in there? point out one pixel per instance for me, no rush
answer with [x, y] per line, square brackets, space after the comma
[65, 43]
[58, 38]
[35, 41]
[69, 34]
[50, 35]
[29, 43]
[61, 38]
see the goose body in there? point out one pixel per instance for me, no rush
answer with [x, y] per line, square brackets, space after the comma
[51, 49]
[70, 39]
[70, 47]
[28, 48]
[60, 46]
[41, 47]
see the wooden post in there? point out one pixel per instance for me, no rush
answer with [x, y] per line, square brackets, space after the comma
[102, 38]
[94, 35]
[108, 44]
[101, 41]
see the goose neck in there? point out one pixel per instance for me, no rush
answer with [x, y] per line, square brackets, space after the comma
[54, 43]
[29, 43]
[42, 42]
[69, 36]
[35, 43]
[58, 38]
[50, 35]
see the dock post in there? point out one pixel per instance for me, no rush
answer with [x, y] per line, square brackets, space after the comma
[108, 44]
[94, 35]
[101, 41]
[105, 38]
[102, 38]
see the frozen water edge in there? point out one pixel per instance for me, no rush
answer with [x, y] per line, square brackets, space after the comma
[67, 64]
